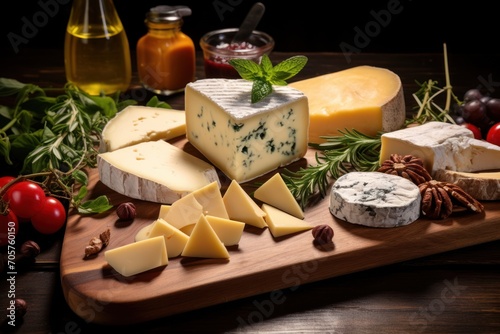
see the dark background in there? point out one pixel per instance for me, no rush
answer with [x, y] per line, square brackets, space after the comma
[414, 26]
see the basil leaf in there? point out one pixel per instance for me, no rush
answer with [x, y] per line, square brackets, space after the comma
[98, 205]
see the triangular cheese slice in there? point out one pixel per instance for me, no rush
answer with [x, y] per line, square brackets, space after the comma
[241, 207]
[229, 231]
[175, 239]
[281, 223]
[275, 192]
[143, 232]
[185, 211]
[137, 257]
[204, 242]
[210, 198]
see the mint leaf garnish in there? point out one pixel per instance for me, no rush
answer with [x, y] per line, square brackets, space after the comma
[264, 76]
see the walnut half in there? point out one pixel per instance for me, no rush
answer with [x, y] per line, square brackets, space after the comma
[438, 199]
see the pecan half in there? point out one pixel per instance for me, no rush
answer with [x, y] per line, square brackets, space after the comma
[407, 166]
[438, 199]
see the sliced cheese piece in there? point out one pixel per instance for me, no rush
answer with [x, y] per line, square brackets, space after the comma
[204, 242]
[164, 209]
[243, 139]
[229, 231]
[276, 193]
[210, 199]
[442, 146]
[281, 223]
[137, 257]
[137, 124]
[154, 171]
[175, 239]
[483, 186]
[366, 98]
[375, 199]
[188, 229]
[184, 212]
[241, 207]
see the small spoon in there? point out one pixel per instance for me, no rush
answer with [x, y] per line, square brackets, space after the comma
[249, 23]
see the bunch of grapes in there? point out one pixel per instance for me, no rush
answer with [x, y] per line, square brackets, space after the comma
[480, 110]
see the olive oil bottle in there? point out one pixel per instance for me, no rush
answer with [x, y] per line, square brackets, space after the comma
[96, 48]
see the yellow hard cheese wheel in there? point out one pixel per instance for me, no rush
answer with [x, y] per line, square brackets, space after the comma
[366, 98]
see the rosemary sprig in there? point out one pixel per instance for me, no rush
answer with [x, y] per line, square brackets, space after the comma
[350, 151]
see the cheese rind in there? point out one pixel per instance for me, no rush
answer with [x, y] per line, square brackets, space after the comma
[442, 146]
[154, 171]
[137, 124]
[243, 139]
[276, 193]
[366, 98]
[138, 257]
[281, 223]
[483, 186]
[375, 199]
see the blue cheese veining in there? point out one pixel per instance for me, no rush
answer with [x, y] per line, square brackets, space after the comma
[242, 139]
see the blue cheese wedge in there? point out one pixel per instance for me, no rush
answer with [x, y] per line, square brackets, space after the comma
[154, 171]
[375, 199]
[442, 146]
[243, 139]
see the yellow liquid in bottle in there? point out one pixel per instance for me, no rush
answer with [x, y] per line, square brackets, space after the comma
[96, 62]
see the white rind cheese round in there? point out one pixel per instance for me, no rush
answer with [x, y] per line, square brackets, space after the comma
[375, 199]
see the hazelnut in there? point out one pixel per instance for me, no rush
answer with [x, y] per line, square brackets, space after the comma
[30, 249]
[322, 234]
[21, 307]
[126, 211]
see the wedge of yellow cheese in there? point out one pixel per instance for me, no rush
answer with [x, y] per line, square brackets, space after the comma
[138, 257]
[138, 124]
[175, 239]
[229, 231]
[281, 223]
[204, 242]
[183, 212]
[241, 207]
[366, 98]
[276, 193]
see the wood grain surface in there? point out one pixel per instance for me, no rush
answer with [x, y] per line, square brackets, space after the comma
[259, 264]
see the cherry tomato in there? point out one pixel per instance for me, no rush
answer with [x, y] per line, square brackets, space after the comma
[475, 130]
[3, 181]
[493, 135]
[9, 226]
[25, 198]
[51, 217]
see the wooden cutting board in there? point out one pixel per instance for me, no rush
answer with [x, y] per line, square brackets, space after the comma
[259, 264]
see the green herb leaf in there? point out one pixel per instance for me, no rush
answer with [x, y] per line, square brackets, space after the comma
[265, 75]
[98, 205]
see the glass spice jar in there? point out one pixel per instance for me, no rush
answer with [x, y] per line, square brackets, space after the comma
[166, 58]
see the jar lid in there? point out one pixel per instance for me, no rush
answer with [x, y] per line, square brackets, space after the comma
[167, 13]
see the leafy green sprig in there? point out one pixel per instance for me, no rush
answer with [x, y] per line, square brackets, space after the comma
[52, 140]
[350, 151]
[264, 76]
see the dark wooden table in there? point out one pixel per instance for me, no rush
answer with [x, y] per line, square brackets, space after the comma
[453, 292]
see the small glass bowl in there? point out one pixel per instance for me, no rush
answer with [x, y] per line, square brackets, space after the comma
[218, 50]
